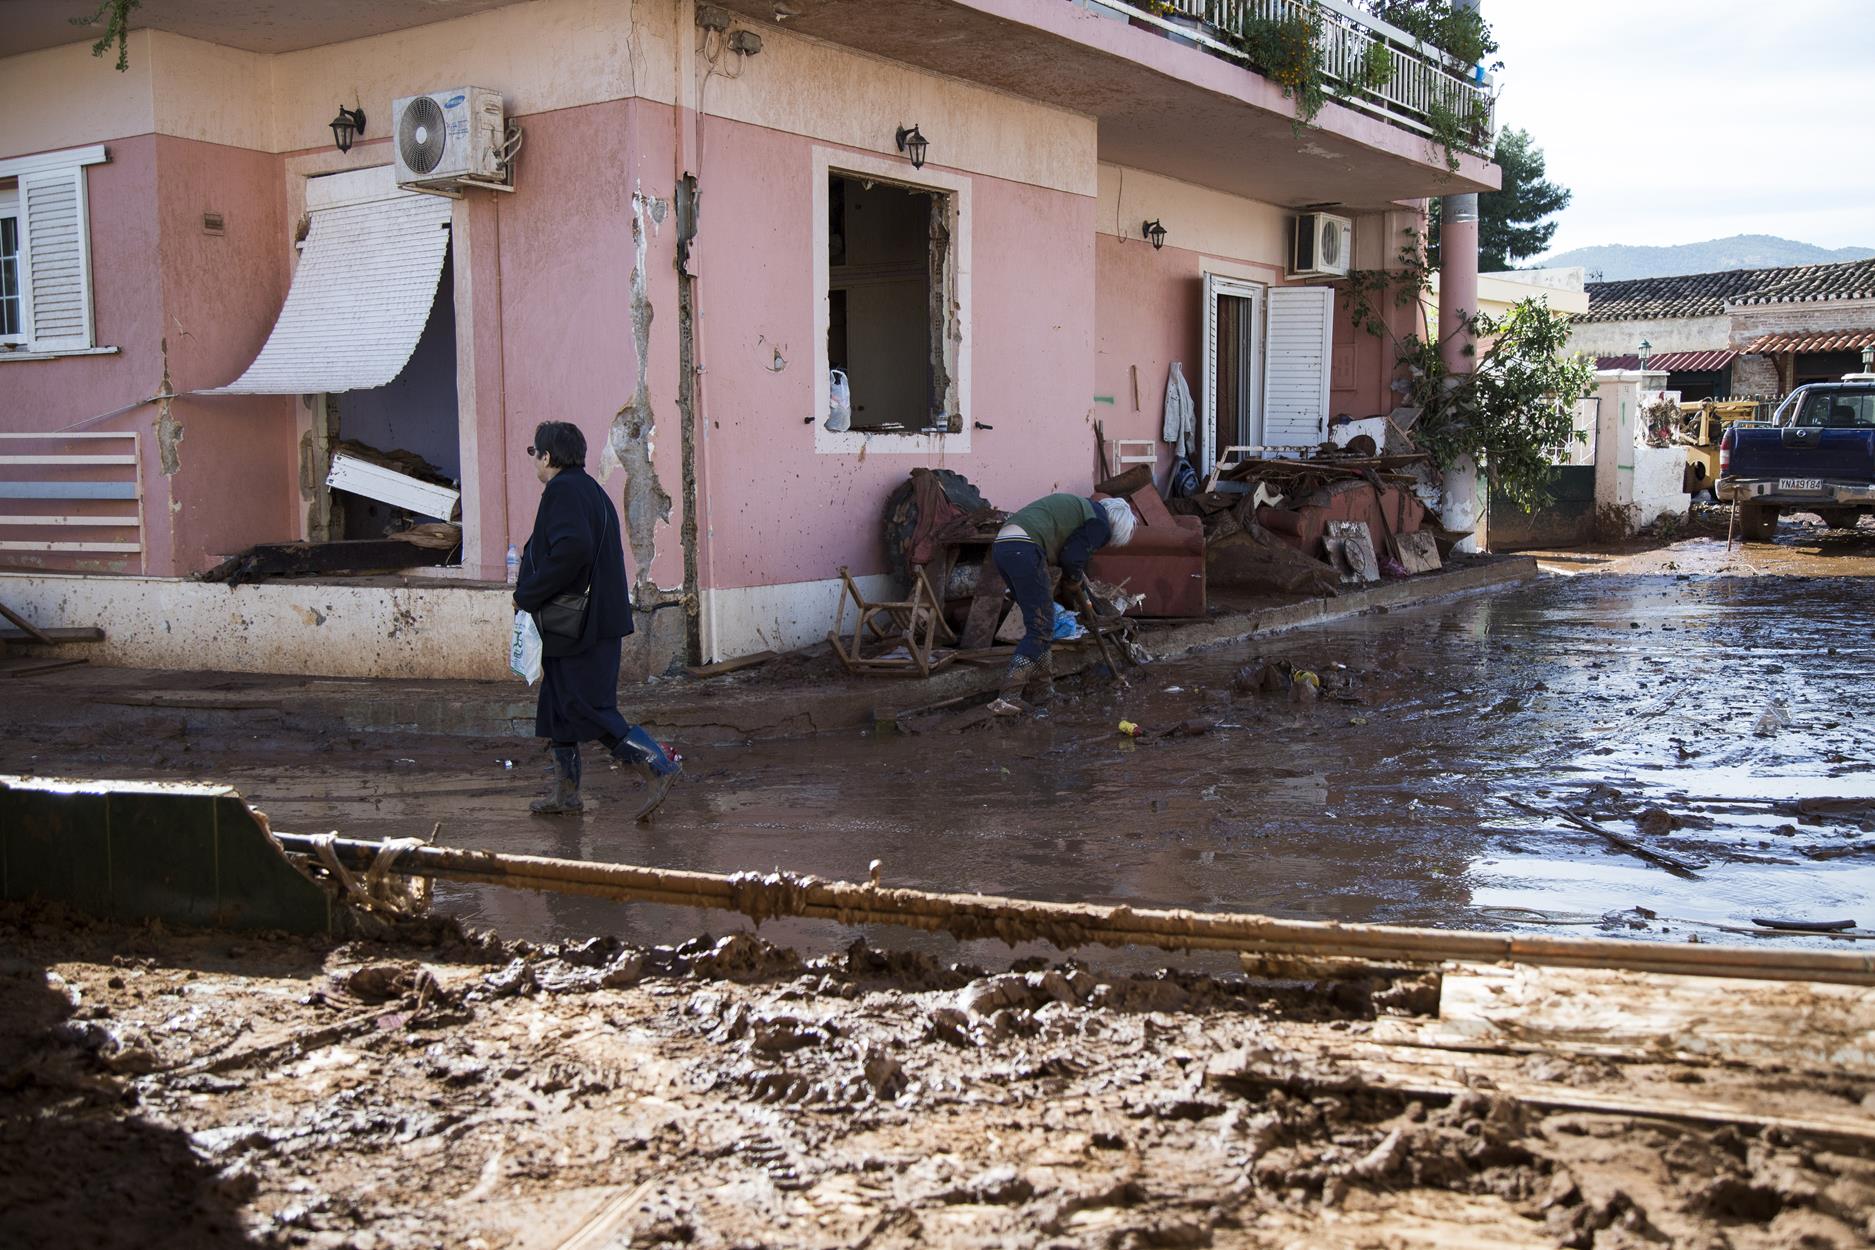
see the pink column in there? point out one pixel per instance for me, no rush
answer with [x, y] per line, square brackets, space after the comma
[1462, 505]
[1458, 277]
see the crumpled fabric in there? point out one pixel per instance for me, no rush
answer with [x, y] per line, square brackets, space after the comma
[1181, 417]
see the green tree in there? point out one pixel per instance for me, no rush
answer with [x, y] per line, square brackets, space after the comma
[1513, 222]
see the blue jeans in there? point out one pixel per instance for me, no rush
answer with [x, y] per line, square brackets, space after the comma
[1025, 568]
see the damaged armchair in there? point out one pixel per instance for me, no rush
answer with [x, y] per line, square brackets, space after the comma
[1164, 562]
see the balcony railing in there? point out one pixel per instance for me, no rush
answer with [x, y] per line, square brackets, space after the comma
[1424, 80]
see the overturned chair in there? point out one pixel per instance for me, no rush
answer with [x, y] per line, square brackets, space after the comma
[895, 639]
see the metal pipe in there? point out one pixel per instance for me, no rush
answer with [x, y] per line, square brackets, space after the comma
[1067, 925]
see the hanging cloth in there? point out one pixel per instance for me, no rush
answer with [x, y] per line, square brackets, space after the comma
[1181, 420]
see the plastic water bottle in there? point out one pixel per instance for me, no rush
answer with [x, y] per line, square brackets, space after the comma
[514, 565]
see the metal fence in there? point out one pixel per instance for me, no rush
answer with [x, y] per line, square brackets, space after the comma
[1424, 79]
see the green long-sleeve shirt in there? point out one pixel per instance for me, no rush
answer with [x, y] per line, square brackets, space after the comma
[1051, 519]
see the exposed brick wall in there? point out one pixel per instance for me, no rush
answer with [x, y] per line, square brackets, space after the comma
[1751, 320]
[1754, 375]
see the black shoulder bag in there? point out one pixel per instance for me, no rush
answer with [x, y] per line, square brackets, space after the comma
[564, 615]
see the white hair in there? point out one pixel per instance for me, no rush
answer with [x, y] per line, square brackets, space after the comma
[1119, 519]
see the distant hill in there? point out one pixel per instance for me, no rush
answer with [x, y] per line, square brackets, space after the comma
[1618, 262]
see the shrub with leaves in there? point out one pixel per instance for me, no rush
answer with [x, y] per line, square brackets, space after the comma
[1513, 414]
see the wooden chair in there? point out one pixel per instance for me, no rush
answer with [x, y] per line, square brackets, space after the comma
[882, 630]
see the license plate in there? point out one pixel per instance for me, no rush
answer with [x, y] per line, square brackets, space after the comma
[1800, 483]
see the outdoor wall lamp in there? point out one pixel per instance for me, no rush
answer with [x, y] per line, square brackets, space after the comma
[1645, 348]
[1154, 231]
[346, 126]
[913, 144]
[1868, 359]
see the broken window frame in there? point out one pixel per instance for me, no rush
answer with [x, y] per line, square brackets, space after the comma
[950, 303]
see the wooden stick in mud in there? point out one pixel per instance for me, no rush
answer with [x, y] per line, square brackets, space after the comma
[1670, 863]
[1068, 925]
[1093, 627]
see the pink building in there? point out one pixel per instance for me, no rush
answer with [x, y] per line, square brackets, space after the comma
[711, 210]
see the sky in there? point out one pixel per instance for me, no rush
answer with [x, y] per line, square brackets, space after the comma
[1676, 121]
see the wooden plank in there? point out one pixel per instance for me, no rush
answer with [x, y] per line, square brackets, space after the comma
[986, 612]
[53, 634]
[30, 667]
[1826, 1028]
[68, 490]
[729, 666]
[130, 434]
[125, 548]
[87, 522]
[27, 628]
[68, 460]
[1335, 1065]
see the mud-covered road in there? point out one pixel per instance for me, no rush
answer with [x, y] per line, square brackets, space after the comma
[1708, 707]
[1601, 750]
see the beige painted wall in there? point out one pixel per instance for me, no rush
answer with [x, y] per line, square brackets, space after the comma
[215, 94]
[1195, 218]
[1622, 338]
[800, 86]
[65, 97]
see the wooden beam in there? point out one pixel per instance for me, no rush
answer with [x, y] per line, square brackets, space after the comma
[1648, 1017]
[54, 634]
[125, 548]
[731, 665]
[27, 628]
[68, 460]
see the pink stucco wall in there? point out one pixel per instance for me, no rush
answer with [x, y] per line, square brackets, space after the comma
[777, 511]
[156, 278]
[566, 262]
[126, 300]
[1151, 310]
[236, 481]
[1363, 363]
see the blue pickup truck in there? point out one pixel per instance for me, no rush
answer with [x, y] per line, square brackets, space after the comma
[1817, 455]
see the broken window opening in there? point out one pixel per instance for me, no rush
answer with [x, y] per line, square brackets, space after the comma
[406, 429]
[890, 285]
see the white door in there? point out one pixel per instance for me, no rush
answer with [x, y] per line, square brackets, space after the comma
[1231, 414]
[1297, 358]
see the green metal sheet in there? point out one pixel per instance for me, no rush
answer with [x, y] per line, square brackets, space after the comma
[136, 851]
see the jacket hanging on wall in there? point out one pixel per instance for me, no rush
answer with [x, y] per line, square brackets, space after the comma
[1181, 421]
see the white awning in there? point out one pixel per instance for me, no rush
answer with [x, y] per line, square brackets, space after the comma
[366, 279]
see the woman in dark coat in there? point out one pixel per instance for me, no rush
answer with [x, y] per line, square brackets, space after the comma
[576, 545]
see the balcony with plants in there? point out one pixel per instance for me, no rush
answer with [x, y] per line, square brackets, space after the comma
[1423, 65]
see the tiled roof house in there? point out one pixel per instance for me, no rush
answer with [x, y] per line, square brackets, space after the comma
[1741, 331]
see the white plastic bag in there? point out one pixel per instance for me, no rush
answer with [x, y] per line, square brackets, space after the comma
[839, 401]
[524, 648]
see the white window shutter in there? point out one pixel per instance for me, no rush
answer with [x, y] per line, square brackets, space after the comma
[1296, 365]
[55, 261]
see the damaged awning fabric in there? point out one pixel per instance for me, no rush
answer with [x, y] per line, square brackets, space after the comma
[366, 280]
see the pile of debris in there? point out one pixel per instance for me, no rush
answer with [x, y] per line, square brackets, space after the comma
[1312, 525]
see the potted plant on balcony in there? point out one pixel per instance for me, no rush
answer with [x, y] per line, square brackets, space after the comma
[1176, 17]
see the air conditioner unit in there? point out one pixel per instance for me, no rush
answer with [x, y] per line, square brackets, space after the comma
[447, 139]
[1324, 245]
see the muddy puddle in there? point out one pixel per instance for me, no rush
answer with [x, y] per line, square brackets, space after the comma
[1487, 762]
[1638, 703]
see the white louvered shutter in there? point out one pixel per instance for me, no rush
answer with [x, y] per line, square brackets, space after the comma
[1295, 375]
[55, 261]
